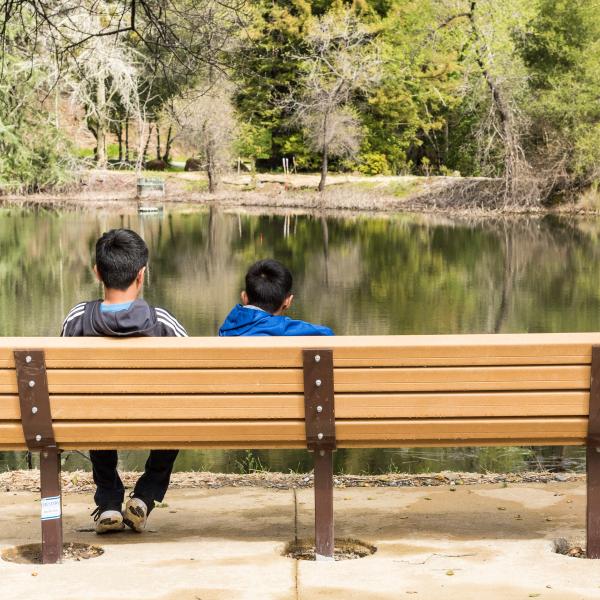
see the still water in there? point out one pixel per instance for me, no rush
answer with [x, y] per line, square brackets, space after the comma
[359, 274]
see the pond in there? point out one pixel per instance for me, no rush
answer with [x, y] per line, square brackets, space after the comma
[359, 274]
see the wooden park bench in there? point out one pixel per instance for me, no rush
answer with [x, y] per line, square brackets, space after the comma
[61, 394]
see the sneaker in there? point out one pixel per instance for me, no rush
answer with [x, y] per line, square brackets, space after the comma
[108, 520]
[135, 514]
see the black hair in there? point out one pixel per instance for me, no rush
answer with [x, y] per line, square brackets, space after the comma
[268, 284]
[120, 254]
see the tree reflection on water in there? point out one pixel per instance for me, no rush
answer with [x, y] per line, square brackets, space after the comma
[360, 274]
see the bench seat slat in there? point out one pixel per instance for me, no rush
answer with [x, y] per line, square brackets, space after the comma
[396, 432]
[178, 381]
[291, 406]
[302, 446]
[349, 351]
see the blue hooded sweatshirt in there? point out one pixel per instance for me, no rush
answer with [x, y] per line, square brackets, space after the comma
[244, 320]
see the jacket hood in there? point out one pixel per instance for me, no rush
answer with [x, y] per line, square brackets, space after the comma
[138, 320]
[244, 320]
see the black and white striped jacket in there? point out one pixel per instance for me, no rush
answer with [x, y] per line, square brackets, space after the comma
[140, 319]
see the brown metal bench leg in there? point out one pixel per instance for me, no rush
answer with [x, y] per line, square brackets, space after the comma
[36, 419]
[52, 532]
[319, 417]
[593, 503]
[324, 536]
[593, 460]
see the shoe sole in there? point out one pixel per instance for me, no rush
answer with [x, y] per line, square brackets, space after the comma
[135, 518]
[109, 525]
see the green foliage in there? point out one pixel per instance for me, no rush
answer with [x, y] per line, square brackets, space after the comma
[431, 112]
[373, 163]
[561, 48]
[252, 142]
[33, 154]
[266, 67]
[419, 87]
[33, 161]
[250, 463]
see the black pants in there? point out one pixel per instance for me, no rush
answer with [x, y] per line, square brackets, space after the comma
[151, 486]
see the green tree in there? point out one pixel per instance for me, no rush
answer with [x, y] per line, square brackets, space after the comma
[406, 115]
[340, 60]
[266, 66]
[33, 153]
[561, 48]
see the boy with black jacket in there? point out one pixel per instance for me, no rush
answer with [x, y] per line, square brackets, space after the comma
[121, 260]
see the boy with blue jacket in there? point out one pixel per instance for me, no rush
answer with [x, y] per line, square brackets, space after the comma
[267, 296]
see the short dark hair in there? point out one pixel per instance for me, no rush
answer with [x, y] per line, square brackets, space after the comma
[268, 284]
[120, 254]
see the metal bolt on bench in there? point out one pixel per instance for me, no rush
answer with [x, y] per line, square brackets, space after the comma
[36, 419]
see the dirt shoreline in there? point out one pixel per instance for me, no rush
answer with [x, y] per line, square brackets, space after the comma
[117, 191]
[81, 481]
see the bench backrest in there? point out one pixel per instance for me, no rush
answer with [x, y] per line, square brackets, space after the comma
[249, 392]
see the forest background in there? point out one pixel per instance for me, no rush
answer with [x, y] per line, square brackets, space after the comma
[503, 90]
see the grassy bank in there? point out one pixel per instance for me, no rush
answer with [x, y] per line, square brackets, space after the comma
[118, 189]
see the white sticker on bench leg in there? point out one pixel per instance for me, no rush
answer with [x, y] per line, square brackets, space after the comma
[51, 508]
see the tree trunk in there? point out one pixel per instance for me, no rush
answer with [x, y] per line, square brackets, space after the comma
[211, 156]
[211, 170]
[157, 142]
[120, 140]
[169, 143]
[92, 128]
[325, 231]
[145, 152]
[508, 280]
[100, 154]
[323, 170]
[325, 155]
[501, 106]
[446, 142]
[127, 139]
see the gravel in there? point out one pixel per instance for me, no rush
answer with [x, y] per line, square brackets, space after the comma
[81, 481]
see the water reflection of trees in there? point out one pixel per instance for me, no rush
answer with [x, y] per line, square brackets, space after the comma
[361, 275]
[542, 262]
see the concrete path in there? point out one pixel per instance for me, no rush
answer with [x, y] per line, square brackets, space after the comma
[476, 542]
